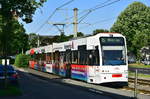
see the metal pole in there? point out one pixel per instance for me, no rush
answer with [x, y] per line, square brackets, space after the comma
[38, 42]
[75, 21]
[135, 84]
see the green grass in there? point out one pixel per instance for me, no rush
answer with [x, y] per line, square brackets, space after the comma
[139, 65]
[132, 74]
[10, 91]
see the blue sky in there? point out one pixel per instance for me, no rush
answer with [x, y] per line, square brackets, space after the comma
[102, 18]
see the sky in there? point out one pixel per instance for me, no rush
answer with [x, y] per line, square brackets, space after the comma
[102, 18]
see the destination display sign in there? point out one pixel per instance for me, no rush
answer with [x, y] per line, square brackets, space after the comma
[119, 41]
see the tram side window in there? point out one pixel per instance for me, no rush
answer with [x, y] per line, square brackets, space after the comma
[82, 55]
[56, 56]
[36, 56]
[75, 57]
[48, 58]
[93, 56]
[68, 56]
[62, 57]
[97, 56]
[42, 57]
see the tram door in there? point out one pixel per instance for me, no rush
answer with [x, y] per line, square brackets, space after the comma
[56, 61]
[68, 63]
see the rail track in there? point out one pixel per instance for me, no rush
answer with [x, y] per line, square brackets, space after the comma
[143, 86]
[140, 81]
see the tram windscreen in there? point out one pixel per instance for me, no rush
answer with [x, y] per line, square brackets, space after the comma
[113, 57]
[113, 51]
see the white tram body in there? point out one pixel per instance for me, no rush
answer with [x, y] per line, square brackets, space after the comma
[101, 58]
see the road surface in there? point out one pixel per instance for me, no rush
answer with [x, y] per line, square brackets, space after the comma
[36, 88]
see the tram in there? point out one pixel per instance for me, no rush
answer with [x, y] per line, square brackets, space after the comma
[101, 58]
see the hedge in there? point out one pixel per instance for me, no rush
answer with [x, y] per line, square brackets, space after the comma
[22, 60]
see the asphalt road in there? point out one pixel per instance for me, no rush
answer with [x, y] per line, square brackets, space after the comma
[35, 88]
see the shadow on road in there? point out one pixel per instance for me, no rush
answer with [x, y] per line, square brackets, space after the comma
[80, 87]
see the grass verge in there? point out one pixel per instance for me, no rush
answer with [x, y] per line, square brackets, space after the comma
[11, 91]
[139, 65]
[132, 74]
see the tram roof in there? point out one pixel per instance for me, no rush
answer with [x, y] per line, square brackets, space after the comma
[74, 43]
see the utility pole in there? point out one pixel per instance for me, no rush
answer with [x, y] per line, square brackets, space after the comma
[38, 42]
[135, 84]
[75, 22]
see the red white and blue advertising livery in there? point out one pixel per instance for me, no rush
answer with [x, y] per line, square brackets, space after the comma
[101, 58]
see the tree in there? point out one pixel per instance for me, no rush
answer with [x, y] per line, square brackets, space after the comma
[134, 23]
[100, 31]
[33, 38]
[46, 40]
[23, 9]
[80, 34]
[19, 39]
[14, 9]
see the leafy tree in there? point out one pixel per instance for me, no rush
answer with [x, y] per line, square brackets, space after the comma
[32, 37]
[100, 31]
[12, 10]
[80, 34]
[62, 38]
[23, 9]
[134, 23]
[46, 40]
[19, 40]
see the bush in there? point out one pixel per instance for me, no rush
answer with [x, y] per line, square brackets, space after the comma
[12, 61]
[22, 60]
